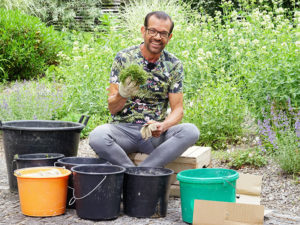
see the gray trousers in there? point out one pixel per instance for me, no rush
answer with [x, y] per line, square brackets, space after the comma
[114, 141]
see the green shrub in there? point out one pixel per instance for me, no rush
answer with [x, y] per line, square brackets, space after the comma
[218, 111]
[27, 46]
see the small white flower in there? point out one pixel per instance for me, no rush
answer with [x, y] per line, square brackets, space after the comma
[255, 42]
[86, 67]
[77, 58]
[188, 29]
[237, 54]
[217, 52]
[200, 51]
[185, 53]
[156, 79]
[176, 85]
[200, 59]
[230, 32]
[284, 44]
[297, 44]
[208, 54]
[242, 41]
[280, 10]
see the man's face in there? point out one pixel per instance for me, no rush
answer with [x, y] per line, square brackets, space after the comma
[156, 43]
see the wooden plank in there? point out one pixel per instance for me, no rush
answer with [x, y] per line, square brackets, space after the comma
[205, 158]
[191, 155]
[175, 191]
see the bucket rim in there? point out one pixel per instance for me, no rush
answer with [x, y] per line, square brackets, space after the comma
[167, 170]
[188, 179]
[56, 156]
[75, 169]
[68, 172]
[76, 164]
[7, 126]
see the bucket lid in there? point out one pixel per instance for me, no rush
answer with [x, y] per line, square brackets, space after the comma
[207, 175]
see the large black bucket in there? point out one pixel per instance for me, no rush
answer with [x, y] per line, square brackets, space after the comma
[36, 160]
[36, 136]
[69, 163]
[97, 191]
[146, 191]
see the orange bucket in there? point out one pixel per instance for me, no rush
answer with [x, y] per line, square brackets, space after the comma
[42, 190]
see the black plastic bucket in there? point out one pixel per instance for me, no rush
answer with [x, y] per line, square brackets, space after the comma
[97, 191]
[146, 191]
[36, 136]
[36, 160]
[69, 163]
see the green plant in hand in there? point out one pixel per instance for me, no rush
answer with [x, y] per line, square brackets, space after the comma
[135, 72]
[250, 157]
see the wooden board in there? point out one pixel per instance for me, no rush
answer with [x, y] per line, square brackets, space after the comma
[194, 157]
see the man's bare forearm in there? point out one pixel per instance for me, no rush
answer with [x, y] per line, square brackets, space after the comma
[116, 103]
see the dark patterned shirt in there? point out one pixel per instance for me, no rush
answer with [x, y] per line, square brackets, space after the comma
[151, 102]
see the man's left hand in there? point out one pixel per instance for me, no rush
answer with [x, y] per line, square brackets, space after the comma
[160, 128]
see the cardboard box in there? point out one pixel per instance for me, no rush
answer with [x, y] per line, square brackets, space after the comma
[246, 211]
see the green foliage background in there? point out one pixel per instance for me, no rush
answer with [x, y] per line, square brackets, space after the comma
[234, 63]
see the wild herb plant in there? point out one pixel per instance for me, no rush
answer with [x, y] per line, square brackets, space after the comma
[31, 100]
[249, 157]
[75, 14]
[280, 136]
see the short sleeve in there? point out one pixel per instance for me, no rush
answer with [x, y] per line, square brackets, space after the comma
[176, 75]
[115, 70]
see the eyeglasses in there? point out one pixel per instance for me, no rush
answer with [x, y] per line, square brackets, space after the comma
[153, 33]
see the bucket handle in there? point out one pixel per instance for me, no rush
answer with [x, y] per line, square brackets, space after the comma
[237, 196]
[85, 121]
[74, 198]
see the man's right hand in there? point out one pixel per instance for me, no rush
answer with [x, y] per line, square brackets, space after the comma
[128, 88]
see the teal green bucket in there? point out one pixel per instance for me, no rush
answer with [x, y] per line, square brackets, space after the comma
[215, 184]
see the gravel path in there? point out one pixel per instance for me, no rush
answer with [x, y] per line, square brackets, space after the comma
[279, 193]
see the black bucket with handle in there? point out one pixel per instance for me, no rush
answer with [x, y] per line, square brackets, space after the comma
[36, 159]
[69, 163]
[97, 191]
[146, 191]
[39, 136]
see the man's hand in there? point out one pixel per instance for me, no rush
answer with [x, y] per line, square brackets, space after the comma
[152, 128]
[128, 88]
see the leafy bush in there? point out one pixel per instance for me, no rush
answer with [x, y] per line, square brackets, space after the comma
[250, 157]
[27, 46]
[31, 100]
[218, 111]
